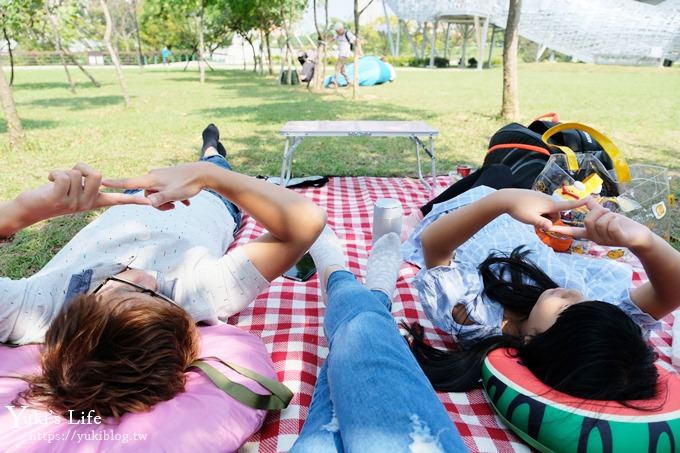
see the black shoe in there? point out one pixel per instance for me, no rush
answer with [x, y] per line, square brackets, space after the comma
[221, 149]
[211, 137]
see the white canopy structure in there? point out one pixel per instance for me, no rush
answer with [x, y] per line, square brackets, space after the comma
[597, 31]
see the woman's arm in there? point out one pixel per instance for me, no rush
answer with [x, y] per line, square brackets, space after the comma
[661, 294]
[292, 221]
[69, 192]
[448, 232]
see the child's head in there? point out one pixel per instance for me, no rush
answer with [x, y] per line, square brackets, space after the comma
[588, 349]
[114, 352]
[595, 351]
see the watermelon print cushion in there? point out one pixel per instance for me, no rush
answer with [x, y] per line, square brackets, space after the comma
[549, 420]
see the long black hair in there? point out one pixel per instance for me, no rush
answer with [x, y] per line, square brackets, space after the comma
[593, 350]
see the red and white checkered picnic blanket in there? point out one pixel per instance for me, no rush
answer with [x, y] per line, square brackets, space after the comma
[289, 318]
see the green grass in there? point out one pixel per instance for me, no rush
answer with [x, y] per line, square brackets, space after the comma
[639, 108]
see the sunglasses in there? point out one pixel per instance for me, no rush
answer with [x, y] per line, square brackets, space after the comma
[140, 288]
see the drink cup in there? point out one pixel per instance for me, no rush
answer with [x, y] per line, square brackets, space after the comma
[387, 214]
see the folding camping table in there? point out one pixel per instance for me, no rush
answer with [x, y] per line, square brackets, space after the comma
[296, 131]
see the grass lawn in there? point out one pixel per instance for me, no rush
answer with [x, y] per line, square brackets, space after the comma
[639, 108]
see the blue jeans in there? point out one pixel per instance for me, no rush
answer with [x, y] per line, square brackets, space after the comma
[371, 395]
[231, 207]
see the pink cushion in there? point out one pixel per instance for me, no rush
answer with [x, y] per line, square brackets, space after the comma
[203, 418]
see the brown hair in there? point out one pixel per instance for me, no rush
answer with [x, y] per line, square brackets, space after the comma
[113, 353]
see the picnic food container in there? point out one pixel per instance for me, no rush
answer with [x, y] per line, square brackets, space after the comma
[387, 214]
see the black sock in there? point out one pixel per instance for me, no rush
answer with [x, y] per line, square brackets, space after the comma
[211, 137]
[221, 149]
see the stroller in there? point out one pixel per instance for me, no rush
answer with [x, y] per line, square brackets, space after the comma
[308, 62]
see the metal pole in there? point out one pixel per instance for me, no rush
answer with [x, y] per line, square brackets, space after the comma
[396, 53]
[433, 160]
[493, 35]
[389, 29]
[422, 44]
[420, 168]
[285, 161]
[482, 44]
[462, 52]
[433, 41]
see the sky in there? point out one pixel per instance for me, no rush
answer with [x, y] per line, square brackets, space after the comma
[343, 9]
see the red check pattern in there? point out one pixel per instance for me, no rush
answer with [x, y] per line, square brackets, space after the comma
[289, 317]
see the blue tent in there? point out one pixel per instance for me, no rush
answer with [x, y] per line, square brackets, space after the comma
[372, 71]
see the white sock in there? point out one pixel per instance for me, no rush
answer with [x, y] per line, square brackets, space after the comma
[328, 255]
[384, 264]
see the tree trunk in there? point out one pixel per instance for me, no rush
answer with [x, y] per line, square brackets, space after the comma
[201, 46]
[510, 108]
[269, 53]
[112, 51]
[243, 51]
[57, 43]
[252, 46]
[140, 55]
[11, 56]
[320, 58]
[261, 46]
[319, 66]
[16, 133]
[75, 62]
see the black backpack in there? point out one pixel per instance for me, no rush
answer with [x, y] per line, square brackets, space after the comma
[351, 44]
[523, 150]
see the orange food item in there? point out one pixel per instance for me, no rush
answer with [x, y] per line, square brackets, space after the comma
[557, 242]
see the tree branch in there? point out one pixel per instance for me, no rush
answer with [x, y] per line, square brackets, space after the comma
[361, 11]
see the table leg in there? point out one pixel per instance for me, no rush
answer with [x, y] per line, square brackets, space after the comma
[433, 161]
[420, 144]
[282, 181]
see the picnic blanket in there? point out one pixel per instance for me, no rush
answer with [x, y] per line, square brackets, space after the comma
[289, 318]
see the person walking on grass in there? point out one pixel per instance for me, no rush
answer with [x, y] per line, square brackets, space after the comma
[344, 39]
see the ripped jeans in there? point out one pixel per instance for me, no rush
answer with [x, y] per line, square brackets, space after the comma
[371, 395]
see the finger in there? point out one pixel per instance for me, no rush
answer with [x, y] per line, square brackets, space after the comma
[593, 204]
[542, 223]
[140, 182]
[593, 216]
[186, 202]
[92, 183]
[602, 224]
[75, 189]
[113, 199]
[568, 205]
[61, 183]
[166, 207]
[166, 196]
[575, 232]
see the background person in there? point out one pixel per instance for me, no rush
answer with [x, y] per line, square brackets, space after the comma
[344, 40]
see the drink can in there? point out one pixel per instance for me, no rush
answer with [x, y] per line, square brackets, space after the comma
[463, 170]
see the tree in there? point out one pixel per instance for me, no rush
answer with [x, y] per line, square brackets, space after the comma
[51, 10]
[510, 108]
[16, 133]
[321, 46]
[15, 19]
[290, 11]
[242, 20]
[113, 53]
[357, 45]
